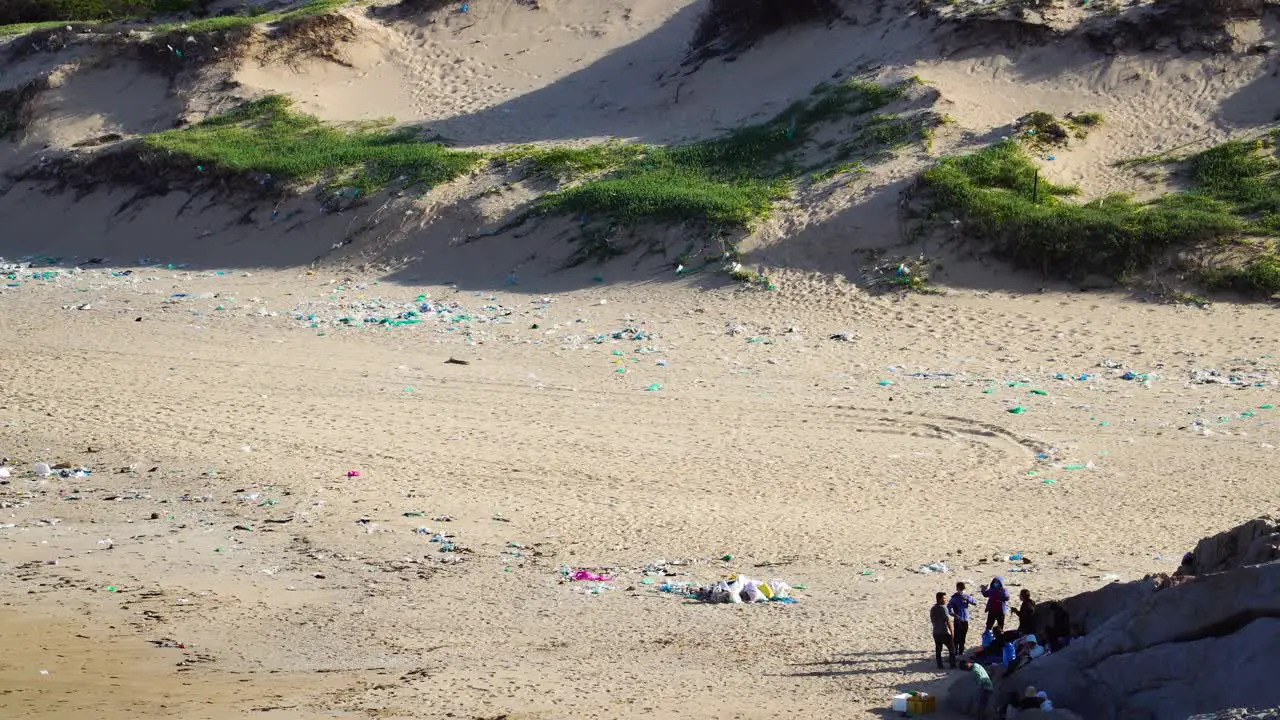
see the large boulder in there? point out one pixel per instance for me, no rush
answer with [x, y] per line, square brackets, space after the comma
[1253, 543]
[1195, 647]
[1089, 611]
[961, 696]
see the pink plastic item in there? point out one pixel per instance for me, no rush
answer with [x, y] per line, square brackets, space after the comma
[353, 473]
[592, 577]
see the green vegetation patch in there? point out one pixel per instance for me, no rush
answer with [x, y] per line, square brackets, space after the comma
[59, 14]
[264, 148]
[1244, 174]
[16, 29]
[1259, 277]
[997, 195]
[734, 180]
[566, 163]
[254, 16]
[34, 12]
[265, 137]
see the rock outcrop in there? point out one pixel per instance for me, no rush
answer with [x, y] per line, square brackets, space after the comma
[1089, 611]
[1203, 641]
[1253, 543]
[1197, 647]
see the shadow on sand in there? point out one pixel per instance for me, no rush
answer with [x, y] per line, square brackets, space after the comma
[901, 662]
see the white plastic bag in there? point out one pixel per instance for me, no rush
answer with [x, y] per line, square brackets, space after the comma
[735, 591]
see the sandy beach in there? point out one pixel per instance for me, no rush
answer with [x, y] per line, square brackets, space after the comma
[782, 449]
[291, 478]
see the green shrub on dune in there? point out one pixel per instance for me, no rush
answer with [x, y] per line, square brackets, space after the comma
[1000, 199]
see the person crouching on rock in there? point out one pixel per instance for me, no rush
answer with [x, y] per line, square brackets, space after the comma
[985, 687]
[997, 605]
[942, 637]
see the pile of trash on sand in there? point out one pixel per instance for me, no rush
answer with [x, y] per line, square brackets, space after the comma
[745, 590]
[738, 589]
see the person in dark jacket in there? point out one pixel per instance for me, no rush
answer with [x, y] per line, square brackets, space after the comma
[958, 606]
[1026, 614]
[997, 605]
[942, 630]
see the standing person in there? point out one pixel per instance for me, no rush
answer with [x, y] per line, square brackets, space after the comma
[997, 605]
[1026, 614]
[958, 606]
[942, 630]
[985, 687]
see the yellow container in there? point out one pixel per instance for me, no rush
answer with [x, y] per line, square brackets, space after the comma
[922, 704]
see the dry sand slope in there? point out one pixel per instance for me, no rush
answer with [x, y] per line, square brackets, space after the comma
[223, 408]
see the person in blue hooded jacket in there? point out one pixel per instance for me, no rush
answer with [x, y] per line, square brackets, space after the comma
[997, 605]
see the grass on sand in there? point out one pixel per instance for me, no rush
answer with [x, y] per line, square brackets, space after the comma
[1235, 192]
[729, 181]
[1259, 276]
[733, 180]
[17, 13]
[265, 137]
[15, 29]
[253, 15]
[230, 22]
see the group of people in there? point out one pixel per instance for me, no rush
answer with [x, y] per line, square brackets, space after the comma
[950, 617]
[950, 620]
